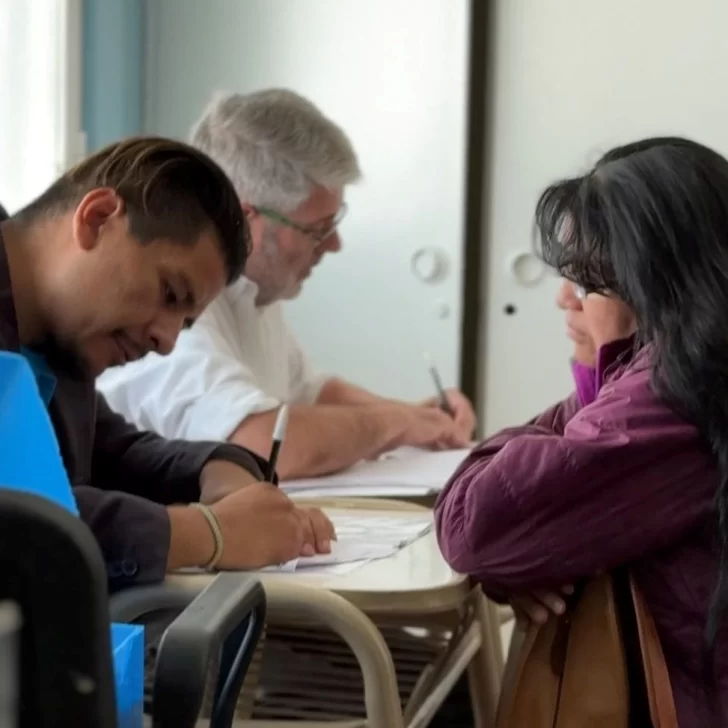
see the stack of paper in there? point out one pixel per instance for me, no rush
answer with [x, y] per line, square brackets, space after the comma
[406, 472]
[362, 539]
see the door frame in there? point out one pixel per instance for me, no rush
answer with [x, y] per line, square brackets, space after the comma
[70, 137]
[475, 254]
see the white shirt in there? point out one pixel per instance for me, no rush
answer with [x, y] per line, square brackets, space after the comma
[237, 360]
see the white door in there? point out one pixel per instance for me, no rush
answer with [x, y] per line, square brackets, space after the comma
[574, 78]
[393, 74]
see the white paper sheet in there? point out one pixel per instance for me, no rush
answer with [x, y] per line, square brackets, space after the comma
[361, 491]
[329, 568]
[403, 472]
[333, 569]
[288, 568]
[347, 552]
[362, 539]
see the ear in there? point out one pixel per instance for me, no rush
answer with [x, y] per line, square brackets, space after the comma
[250, 211]
[96, 209]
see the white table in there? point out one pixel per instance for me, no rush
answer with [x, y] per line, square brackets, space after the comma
[414, 587]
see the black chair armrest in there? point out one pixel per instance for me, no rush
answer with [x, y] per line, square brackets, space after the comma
[225, 620]
[132, 605]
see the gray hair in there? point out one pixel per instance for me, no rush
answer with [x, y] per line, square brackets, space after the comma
[275, 146]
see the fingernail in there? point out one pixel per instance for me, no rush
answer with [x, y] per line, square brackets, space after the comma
[542, 616]
[326, 546]
[308, 550]
[568, 589]
[559, 607]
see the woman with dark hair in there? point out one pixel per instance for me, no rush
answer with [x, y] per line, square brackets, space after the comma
[639, 476]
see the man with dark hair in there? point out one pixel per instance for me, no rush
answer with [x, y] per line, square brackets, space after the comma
[105, 266]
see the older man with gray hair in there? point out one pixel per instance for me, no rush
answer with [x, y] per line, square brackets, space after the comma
[230, 372]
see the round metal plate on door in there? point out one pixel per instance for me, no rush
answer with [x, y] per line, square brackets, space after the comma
[528, 269]
[429, 265]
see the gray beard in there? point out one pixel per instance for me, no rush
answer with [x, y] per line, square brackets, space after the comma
[268, 291]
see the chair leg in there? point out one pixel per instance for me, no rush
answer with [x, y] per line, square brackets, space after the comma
[381, 692]
[246, 698]
[485, 670]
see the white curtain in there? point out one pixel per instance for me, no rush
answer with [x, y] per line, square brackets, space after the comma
[36, 94]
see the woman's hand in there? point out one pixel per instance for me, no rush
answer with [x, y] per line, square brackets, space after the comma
[538, 606]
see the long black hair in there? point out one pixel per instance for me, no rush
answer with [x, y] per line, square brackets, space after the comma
[649, 225]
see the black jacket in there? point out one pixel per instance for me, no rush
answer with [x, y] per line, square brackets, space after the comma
[122, 478]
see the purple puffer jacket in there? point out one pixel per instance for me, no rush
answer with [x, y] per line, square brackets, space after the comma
[579, 490]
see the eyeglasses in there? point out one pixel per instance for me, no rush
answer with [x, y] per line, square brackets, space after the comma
[318, 234]
[580, 292]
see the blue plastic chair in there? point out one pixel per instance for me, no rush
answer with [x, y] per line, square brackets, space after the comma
[30, 459]
[58, 578]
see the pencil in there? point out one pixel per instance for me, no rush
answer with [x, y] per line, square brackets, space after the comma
[445, 405]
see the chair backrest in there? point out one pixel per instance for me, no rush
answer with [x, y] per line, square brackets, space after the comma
[31, 459]
[52, 569]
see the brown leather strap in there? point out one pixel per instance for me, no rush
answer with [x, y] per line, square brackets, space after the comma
[657, 679]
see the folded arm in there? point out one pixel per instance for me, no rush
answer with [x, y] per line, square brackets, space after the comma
[538, 507]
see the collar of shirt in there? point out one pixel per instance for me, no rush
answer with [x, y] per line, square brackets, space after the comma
[242, 288]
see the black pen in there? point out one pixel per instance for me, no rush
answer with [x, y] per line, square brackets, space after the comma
[279, 434]
[444, 403]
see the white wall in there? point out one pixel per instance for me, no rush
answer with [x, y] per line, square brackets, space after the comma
[393, 74]
[572, 79]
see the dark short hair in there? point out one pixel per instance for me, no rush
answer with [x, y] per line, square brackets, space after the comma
[171, 191]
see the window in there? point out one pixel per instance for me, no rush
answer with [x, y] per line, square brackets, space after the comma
[40, 81]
